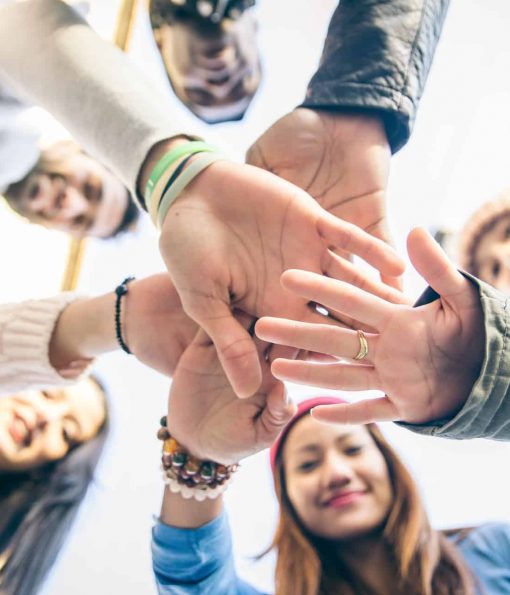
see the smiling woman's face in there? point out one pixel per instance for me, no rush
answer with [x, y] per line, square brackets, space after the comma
[337, 479]
[38, 427]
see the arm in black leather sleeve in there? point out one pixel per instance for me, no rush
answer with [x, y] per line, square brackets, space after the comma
[377, 56]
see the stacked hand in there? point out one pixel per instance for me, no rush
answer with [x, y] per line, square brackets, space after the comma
[205, 415]
[425, 359]
[154, 326]
[228, 238]
[340, 159]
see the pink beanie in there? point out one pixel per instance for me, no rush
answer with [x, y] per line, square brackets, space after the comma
[302, 409]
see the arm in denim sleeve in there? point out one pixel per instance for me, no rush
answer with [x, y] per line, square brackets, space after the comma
[196, 561]
[377, 56]
[486, 549]
[486, 413]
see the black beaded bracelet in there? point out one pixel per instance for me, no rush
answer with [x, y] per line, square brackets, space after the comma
[120, 292]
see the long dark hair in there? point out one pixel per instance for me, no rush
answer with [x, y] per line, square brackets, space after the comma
[37, 509]
[425, 561]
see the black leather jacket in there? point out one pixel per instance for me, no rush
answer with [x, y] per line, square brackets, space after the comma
[377, 56]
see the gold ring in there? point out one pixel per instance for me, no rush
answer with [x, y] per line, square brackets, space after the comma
[363, 346]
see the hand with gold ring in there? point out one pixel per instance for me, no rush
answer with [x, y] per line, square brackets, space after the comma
[425, 359]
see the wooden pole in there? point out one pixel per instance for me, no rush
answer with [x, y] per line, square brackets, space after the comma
[126, 17]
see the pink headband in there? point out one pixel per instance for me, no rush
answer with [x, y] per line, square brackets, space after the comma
[303, 408]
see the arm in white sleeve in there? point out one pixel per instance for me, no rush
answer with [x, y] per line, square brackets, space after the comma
[26, 329]
[51, 56]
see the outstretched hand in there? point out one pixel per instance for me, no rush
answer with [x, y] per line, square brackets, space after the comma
[226, 242]
[341, 159]
[425, 359]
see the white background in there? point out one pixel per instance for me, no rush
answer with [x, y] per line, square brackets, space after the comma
[457, 158]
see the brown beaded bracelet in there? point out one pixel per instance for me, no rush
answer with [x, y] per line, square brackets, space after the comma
[180, 466]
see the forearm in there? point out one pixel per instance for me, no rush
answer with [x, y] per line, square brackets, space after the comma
[84, 330]
[182, 513]
[51, 56]
[376, 57]
[192, 550]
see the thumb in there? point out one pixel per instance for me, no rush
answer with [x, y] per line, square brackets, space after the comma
[277, 412]
[255, 157]
[236, 350]
[434, 266]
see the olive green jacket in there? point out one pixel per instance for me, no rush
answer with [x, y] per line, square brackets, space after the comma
[486, 413]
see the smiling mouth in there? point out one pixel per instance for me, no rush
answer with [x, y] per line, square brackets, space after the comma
[20, 432]
[344, 499]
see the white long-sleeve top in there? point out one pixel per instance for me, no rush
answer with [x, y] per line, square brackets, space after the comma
[25, 333]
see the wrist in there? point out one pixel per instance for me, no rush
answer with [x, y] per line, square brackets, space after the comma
[83, 331]
[155, 154]
[188, 514]
[189, 476]
[207, 184]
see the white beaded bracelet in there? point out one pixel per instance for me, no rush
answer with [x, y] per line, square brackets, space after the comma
[199, 493]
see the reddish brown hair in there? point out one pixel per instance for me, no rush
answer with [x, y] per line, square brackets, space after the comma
[425, 561]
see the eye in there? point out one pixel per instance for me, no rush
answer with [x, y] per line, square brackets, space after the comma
[34, 191]
[69, 432]
[307, 466]
[352, 451]
[88, 191]
[506, 233]
[200, 96]
[495, 269]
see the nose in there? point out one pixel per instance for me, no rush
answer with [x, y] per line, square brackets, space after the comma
[336, 471]
[74, 203]
[49, 414]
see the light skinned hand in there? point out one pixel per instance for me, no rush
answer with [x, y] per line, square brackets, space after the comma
[227, 240]
[205, 415]
[154, 326]
[342, 159]
[425, 359]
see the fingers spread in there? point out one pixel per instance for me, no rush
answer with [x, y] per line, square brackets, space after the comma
[434, 266]
[320, 338]
[339, 268]
[337, 376]
[395, 282]
[281, 351]
[362, 412]
[337, 295]
[352, 239]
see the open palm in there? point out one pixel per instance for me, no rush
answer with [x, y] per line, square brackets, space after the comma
[342, 160]
[230, 236]
[425, 359]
